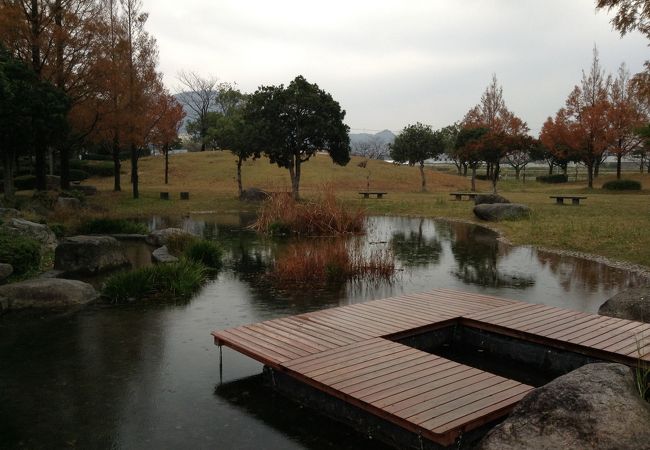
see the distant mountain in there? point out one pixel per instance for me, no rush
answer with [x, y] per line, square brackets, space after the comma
[374, 146]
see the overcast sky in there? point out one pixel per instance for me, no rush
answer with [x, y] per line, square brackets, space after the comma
[391, 63]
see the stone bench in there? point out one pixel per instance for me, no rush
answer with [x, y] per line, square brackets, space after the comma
[459, 195]
[376, 194]
[575, 199]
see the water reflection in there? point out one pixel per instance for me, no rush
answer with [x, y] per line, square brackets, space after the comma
[144, 377]
[477, 253]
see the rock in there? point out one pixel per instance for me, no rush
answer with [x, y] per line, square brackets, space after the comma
[594, 407]
[89, 254]
[501, 211]
[46, 293]
[86, 189]
[631, 304]
[159, 238]
[38, 231]
[162, 255]
[5, 270]
[254, 195]
[488, 199]
[68, 202]
[9, 213]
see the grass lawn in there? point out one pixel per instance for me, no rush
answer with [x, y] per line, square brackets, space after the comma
[614, 225]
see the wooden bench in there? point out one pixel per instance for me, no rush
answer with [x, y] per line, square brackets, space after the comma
[470, 195]
[575, 199]
[376, 194]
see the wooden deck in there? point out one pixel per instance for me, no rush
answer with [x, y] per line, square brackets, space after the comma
[349, 352]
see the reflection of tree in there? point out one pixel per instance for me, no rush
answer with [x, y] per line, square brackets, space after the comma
[414, 249]
[477, 252]
[573, 272]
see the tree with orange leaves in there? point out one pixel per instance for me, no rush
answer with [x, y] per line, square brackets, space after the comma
[164, 133]
[505, 132]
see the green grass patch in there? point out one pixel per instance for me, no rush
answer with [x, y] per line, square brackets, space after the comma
[206, 252]
[174, 282]
[107, 225]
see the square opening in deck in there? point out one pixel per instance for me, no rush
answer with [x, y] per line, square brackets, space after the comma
[524, 361]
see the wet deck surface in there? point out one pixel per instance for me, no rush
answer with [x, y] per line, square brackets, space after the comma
[347, 352]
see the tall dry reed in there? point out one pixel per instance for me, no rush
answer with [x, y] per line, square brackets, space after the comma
[322, 217]
[321, 261]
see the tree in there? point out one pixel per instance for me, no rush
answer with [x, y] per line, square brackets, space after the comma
[198, 94]
[631, 15]
[415, 144]
[580, 130]
[30, 109]
[294, 123]
[449, 135]
[165, 130]
[505, 131]
[527, 150]
[468, 148]
[625, 117]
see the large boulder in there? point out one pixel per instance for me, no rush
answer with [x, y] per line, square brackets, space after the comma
[488, 199]
[631, 304]
[45, 293]
[594, 407]
[501, 211]
[38, 231]
[162, 255]
[159, 238]
[254, 195]
[5, 270]
[89, 255]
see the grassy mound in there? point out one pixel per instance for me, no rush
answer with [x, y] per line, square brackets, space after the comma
[162, 282]
[622, 185]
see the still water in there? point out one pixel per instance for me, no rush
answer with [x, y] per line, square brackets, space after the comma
[148, 376]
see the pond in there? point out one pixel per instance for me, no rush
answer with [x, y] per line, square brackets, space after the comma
[149, 376]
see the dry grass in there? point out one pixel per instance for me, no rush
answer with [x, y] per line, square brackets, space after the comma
[317, 262]
[324, 216]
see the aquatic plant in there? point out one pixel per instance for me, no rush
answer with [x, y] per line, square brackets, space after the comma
[642, 373]
[22, 252]
[326, 216]
[319, 262]
[105, 225]
[176, 281]
[205, 252]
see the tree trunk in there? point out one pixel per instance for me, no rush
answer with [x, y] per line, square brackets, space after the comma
[590, 175]
[64, 154]
[239, 183]
[8, 166]
[473, 178]
[495, 176]
[134, 171]
[424, 179]
[464, 169]
[166, 150]
[294, 173]
[596, 168]
[40, 166]
[458, 167]
[517, 171]
[618, 166]
[117, 165]
[550, 168]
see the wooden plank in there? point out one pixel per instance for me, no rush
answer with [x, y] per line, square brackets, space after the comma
[334, 336]
[294, 340]
[307, 333]
[270, 346]
[354, 373]
[333, 353]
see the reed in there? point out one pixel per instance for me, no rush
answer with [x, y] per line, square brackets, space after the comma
[318, 262]
[325, 216]
[642, 373]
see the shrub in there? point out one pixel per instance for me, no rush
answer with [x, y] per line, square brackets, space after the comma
[622, 185]
[23, 253]
[100, 169]
[324, 217]
[165, 282]
[177, 244]
[78, 175]
[205, 252]
[551, 179]
[25, 182]
[112, 226]
[74, 193]
[482, 177]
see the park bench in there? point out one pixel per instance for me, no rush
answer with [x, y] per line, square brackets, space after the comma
[575, 199]
[376, 194]
[459, 195]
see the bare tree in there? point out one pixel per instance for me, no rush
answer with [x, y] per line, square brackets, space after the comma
[199, 95]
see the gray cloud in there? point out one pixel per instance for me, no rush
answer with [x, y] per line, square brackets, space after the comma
[391, 63]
